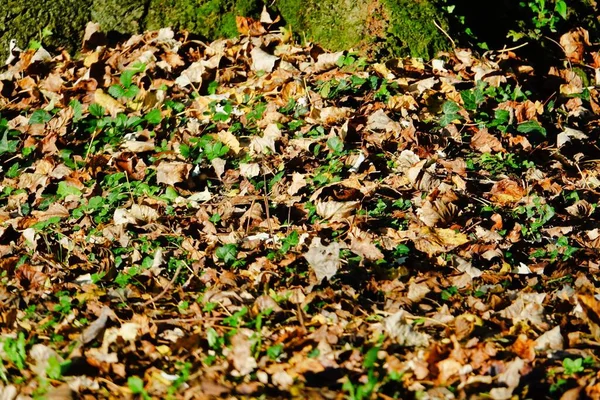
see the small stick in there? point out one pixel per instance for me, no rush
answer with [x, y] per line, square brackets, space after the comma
[164, 291]
[266, 200]
[444, 32]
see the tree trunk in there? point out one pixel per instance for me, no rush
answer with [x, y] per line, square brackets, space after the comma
[371, 27]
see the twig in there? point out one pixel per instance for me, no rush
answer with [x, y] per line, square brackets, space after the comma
[562, 48]
[183, 320]
[504, 50]
[266, 200]
[166, 289]
[444, 32]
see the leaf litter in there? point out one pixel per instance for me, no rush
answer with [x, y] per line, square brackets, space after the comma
[251, 217]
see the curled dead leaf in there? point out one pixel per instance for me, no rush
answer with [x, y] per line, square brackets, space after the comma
[506, 192]
[484, 142]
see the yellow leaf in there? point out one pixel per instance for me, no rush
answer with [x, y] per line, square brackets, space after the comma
[106, 101]
[450, 237]
[438, 240]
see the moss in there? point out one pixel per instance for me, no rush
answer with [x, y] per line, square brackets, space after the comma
[24, 21]
[377, 27]
[209, 18]
[334, 24]
[411, 28]
[123, 16]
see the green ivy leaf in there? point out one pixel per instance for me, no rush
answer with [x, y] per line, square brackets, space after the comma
[227, 253]
[450, 107]
[448, 118]
[8, 146]
[531, 126]
[472, 99]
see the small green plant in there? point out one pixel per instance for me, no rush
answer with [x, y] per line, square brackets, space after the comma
[499, 163]
[228, 253]
[552, 251]
[136, 385]
[7, 146]
[544, 19]
[204, 147]
[448, 293]
[558, 385]
[375, 376]
[64, 305]
[379, 210]
[14, 350]
[36, 44]
[236, 319]
[126, 88]
[289, 242]
[275, 351]
[351, 62]
[537, 215]
[573, 366]
[184, 369]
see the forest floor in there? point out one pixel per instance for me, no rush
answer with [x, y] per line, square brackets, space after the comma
[252, 218]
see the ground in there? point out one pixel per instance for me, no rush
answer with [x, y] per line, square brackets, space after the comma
[257, 218]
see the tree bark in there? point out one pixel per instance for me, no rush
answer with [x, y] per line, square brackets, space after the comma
[371, 27]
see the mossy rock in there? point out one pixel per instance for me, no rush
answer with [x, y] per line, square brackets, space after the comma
[373, 27]
[211, 19]
[25, 20]
[123, 16]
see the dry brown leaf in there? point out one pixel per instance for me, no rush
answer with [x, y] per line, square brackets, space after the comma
[298, 182]
[249, 26]
[249, 170]
[336, 210]
[144, 213]
[483, 142]
[229, 140]
[403, 332]
[506, 192]
[574, 44]
[241, 352]
[324, 260]
[362, 244]
[173, 172]
[590, 307]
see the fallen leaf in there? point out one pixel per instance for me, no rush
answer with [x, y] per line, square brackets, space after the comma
[173, 172]
[262, 61]
[324, 260]
[483, 142]
[506, 192]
